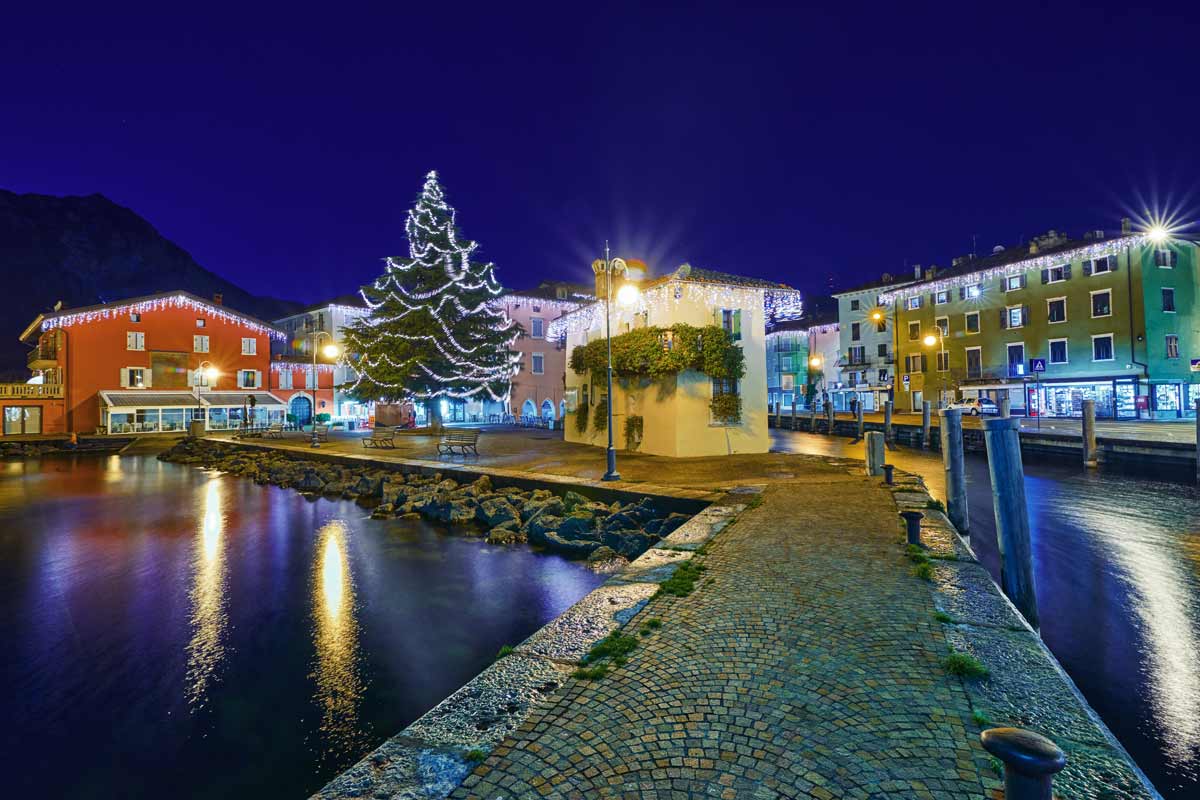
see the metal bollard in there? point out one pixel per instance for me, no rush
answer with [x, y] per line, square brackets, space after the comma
[889, 474]
[1030, 762]
[912, 522]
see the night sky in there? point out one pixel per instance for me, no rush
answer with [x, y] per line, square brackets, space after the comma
[282, 148]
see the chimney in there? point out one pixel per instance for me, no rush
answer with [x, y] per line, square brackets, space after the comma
[917, 271]
[929, 273]
[218, 299]
[598, 269]
[1126, 226]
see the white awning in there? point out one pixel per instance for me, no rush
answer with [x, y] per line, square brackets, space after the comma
[148, 399]
[261, 399]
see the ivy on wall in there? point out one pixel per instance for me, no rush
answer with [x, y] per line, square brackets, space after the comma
[726, 408]
[657, 353]
[600, 415]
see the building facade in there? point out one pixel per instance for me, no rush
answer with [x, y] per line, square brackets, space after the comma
[787, 364]
[143, 366]
[307, 389]
[302, 330]
[1111, 320]
[867, 356]
[675, 414]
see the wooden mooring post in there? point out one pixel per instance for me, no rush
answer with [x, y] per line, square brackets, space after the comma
[1003, 441]
[887, 422]
[926, 412]
[1089, 434]
[951, 438]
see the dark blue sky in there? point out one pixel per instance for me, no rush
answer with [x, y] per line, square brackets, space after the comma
[282, 147]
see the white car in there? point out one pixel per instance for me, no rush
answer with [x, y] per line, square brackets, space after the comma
[975, 406]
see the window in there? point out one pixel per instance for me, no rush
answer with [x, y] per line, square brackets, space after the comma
[135, 316]
[852, 378]
[135, 378]
[1168, 300]
[722, 386]
[943, 325]
[537, 308]
[199, 344]
[1102, 347]
[1056, 274]
[914, 331]
[1016, 359]
[855, 331]
[1172, 345]
[943, 361]
[858, 354]
[916, 363]
[135, 340]
[1102, 303]
[971, 321]
[285, 379]
[971, 292]
[942, 297]
[1056, 309]
[1013, 317]
[913, 303]
[881, 326]
[536, 326]
[788, 383]
[881, 351]
[1098, 266]
[200, 323]
[1165, 258]
[883, 376]
[1014, 282]
[974, 362]
[200, 378]
[1058, 351]
[539, 364]
[731, 320]
[22, 419]
[310, 379]
[854, 305]
[249, 346]
[248, 378]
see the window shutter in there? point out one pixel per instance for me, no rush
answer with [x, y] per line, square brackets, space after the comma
[1024, 280]
[933, 298]
[1087, 266]
[1045, 276]
[147, 377]
[962, 293]
[191, 377]
[124, 378]
[1067, 271]
[737, 324]
[1112, 263]
[257, 378]
[1024, 315]
[1003, 319]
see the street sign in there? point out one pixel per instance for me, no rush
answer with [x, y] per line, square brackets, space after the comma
[1196, 365]
[1037, 365]
[904, 380]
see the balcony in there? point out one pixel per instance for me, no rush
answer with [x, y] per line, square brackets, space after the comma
[42, 357]
[31, 391]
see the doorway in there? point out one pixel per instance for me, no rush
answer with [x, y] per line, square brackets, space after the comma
[301, 409]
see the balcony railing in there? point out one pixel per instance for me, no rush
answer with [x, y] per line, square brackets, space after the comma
[41, 354]
[30, 391]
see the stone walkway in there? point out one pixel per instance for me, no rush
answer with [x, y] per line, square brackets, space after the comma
[805, 664]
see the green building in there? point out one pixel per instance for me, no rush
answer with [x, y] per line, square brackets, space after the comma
[1112, 320]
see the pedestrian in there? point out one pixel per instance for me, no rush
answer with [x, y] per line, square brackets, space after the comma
[853, 405]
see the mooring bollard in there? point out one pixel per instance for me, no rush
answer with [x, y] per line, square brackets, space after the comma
[889, 474]
[1030, 762]
[793, 412]
[829, 413]
[951, 437]
[1003, 442]
[1005, 404]
[778, 411]
[874, 445]
[912, 525]
[858, 422]
[926, 408]
[1198, 439]
[887, 422]
[812, 417]
[1089, 434]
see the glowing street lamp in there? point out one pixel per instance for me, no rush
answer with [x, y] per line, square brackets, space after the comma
[330, 350]
[815, 362]
[1158, 234]
[209, 373]
[627, 295]
[929, 341]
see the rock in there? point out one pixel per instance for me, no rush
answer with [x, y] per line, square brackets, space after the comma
[619, 521]
[579, 525]
[643, 511]
[311, 482]
[481, 486]
[496, 511]
[602, 553]
[571, 548]
[383, 511]
[606, 560]
[629, 543]
[506, 533]
[538, 528]
[457, 512]
[551, 506]
[671, 522]
[334, 489]
[446, 485]
[573, 499]
[369, 486]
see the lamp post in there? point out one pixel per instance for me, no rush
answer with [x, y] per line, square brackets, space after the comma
[331, 351]
[940, 340]
[206, 370]
[626, 295]
[815, 363]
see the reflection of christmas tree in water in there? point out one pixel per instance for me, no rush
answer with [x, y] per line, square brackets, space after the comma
[432, 330]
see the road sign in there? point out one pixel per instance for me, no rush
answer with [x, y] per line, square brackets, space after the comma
[1037, 365]
[1196, 365]
[904, 380]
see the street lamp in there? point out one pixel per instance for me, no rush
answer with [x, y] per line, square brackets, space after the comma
[940, 340]
[626, 295]
[331, 351]
[815, 363]
[210, 374]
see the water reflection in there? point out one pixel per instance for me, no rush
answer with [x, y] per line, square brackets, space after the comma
[335, 637]
[206, 647]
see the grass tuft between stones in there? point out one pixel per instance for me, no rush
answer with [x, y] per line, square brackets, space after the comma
[924, 571]
[507, 649]
[964, 665]
[591, 673]
[616, 646]
[942, 616]
[981, 719]
[936, 505]
[683, 582]
[650, 625]
[475, 756]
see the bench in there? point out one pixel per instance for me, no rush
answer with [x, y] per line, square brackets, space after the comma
[274, 431]
[380, 437]
[461, 439]
[322, 432]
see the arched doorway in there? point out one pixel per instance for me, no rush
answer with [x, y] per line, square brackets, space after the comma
[528, 409]
[547, 409]
[562, 409]
[301, 409]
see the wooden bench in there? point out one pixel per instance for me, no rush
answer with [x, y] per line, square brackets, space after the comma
[322, 432]
[274, 431]
[380, 437]
[460, 439]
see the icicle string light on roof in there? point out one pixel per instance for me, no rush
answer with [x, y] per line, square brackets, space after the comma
[287, 366]
[558, 305]
[159, 304]
[1097, 250]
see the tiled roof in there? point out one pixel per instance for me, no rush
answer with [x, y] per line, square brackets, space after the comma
[878, 283]
[699, 275]
[548, 290]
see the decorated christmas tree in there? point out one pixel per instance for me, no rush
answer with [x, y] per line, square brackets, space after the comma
[433, 330]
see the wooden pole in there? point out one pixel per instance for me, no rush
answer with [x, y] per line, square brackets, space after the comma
[812, 416]
[887, 422]
[875, 456]
[1089, 434]
[829, 416]
[926, 412]
[950, 433]
[1005, 403]
[793, 412]
[1003, 440]
[1198, 439]
[858, 422]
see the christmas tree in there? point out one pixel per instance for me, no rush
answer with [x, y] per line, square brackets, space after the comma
[433, 329]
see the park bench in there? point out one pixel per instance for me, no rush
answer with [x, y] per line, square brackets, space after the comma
[380, 437]
[461, 439]
[322, 432]
[274, 431]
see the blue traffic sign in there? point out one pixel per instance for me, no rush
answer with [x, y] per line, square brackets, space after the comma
[1037, 365]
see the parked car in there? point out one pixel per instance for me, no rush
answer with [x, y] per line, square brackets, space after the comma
[975, 406]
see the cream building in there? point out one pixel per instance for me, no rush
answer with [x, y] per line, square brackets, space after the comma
[675, 414]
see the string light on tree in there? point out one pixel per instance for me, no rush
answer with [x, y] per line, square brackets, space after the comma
[434, 327]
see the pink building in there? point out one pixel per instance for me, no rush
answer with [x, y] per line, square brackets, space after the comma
[537, 390]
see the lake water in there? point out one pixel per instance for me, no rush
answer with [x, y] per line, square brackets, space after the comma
[1117, 567]
[173, 632]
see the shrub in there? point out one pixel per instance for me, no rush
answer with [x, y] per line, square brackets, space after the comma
[964, 665]
[581, 415]
[924, 571]
[726, 408]
[600, 415]
[475, 756]
[657, 353]
[321, 418]
[504, 651]
[942, 616]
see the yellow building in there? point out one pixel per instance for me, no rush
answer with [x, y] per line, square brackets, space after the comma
[673, 415]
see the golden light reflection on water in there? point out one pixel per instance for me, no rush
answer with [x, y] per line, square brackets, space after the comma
[335, 638]
[208, 615]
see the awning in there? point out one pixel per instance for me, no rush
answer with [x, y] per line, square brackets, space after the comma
[241, 398]
[148, 399]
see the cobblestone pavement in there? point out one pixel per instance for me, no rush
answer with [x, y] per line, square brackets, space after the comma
[805, 664]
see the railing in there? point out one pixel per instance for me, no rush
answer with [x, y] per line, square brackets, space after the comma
[30, 391]
[41, 353]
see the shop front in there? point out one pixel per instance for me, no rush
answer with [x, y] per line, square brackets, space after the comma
[137, 412]
[1115, 398]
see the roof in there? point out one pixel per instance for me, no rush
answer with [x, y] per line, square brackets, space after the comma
[183, 398]
[884, 282]
[353, 300]
[70, 316]
[807, 322]
[548, 290]
[699, 275]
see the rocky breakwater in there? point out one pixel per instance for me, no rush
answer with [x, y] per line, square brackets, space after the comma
[606, 534]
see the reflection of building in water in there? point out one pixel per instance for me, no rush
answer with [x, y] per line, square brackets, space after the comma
[335, 637]
[208, 618]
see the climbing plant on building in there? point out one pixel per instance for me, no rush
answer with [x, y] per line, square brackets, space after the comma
[655, 353]
[600, 415]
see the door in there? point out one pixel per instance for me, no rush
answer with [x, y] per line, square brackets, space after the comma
[918, 398]
[301, 409]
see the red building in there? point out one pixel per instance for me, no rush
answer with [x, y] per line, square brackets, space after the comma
[143, 366]
[305, 390]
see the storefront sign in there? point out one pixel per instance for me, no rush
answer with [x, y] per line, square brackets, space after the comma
[1141, 402]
